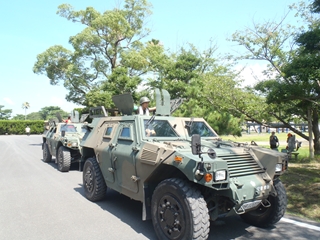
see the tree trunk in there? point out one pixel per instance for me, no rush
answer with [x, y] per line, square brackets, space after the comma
[316, 132]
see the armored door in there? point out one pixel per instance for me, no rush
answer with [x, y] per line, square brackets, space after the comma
[50, 140]
[105, 150]
[125, 157]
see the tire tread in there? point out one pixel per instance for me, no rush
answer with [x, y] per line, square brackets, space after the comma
[197, 204]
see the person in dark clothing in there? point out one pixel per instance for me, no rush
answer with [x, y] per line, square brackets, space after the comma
[274, 142]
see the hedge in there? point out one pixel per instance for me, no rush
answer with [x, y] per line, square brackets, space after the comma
[18, 127]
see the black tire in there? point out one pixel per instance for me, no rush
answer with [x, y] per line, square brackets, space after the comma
[63, 159]
[179, 211]
[93, 182]
[267, 216]
[46, 155]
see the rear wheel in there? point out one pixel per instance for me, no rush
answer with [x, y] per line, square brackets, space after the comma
[47, 157]
[64, 159]
[93, 182]
[268, 216]
[179, 211]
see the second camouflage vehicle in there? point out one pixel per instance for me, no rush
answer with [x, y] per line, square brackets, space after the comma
[62, 140]
[180, 170]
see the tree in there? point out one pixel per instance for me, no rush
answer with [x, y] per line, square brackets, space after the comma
[49, 112]
[108, 49]
[19, 117]
[34, 116]
[194, 75]
[291, 86]
[25, 106]
[304, 70]
[5, 113]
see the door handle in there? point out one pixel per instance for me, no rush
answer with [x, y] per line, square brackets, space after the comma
[114, 163]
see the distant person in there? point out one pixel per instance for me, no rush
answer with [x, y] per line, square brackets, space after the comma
[274, 141]
[288, 138]
[68, 120]
[28, 130]
[144, 106]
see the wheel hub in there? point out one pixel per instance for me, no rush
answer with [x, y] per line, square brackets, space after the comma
[88, 180]
[171, 216]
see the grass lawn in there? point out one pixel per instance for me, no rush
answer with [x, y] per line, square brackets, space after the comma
[302, 180]
[262, 137]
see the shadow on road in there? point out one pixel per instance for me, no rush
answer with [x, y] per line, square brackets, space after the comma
[130, 212]
[74, 166]
[35, 144]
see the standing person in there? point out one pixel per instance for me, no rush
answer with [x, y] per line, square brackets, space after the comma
[68, 120]
[274, 142]
[288, 138]
[28, 130]
[144, 106]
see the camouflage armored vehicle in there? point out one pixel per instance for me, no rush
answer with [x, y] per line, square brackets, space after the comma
[180, 170]
[62, 140]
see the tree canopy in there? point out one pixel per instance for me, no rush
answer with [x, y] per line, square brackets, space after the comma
[45, 113]
[109, 46]
[292, 80]
[110, 56]
[5, 113]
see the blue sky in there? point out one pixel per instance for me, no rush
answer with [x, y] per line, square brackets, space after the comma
[28, 28]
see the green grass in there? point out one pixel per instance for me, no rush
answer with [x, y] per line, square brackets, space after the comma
[302, 182]
[262, 137]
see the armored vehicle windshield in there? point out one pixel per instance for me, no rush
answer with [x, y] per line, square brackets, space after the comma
[68, 128]
[159, 128]
[199, 127]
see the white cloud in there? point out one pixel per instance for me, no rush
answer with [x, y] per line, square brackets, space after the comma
[251, 74]
[8, 100]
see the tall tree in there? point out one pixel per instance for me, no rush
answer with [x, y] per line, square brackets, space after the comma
[25, 106]
[304, 70]
[34, 116]
[5, 113]
[50, 112]
[19, 117]
[290, 88]
[193, 75]
[108, 48]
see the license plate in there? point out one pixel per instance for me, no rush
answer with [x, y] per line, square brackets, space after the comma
[250, 205]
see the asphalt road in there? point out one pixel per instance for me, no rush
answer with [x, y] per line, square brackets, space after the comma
[39, 202]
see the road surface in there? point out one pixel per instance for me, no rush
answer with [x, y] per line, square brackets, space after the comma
[39, 202]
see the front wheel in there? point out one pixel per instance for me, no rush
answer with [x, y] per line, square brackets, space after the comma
[93, 182]
[46, 157]
[179, 211]
[64, 159]
[268, 216]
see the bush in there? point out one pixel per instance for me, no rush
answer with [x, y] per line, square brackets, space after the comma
[18, 127]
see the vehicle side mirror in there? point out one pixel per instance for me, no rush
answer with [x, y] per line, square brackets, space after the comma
[63, 133]
[196, 144]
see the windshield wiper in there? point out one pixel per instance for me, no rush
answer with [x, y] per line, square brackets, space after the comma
[189, 125]
[150, 120]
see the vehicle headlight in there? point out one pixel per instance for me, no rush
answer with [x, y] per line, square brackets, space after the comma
[279, 167]
[72, 144]
[220, 175]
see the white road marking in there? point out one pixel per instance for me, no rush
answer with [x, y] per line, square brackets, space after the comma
[301, 224]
